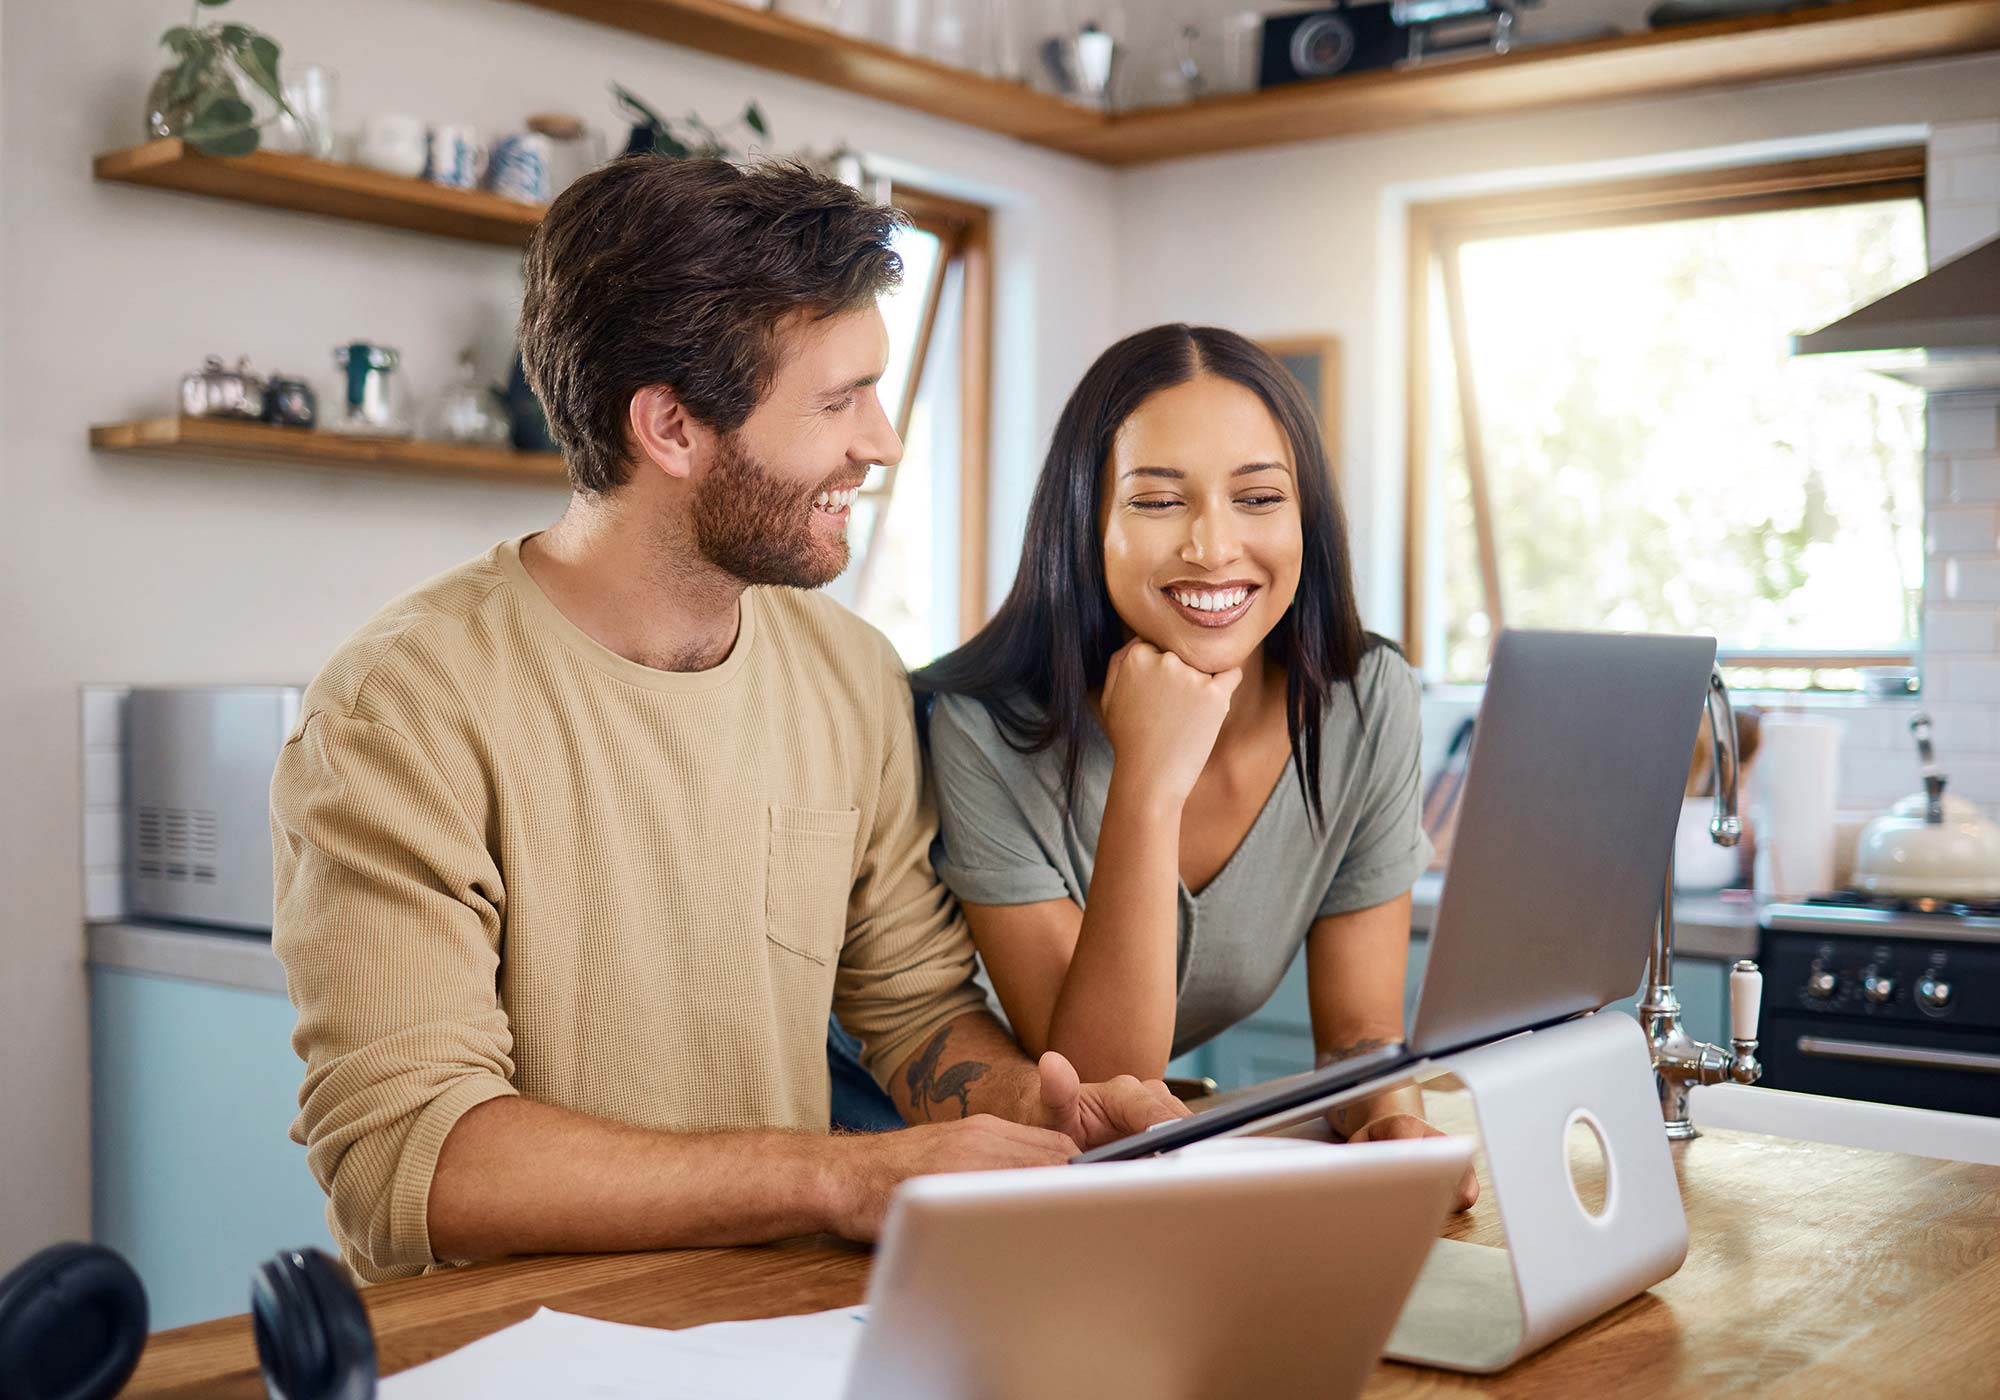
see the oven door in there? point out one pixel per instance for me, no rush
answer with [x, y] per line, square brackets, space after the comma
[1886, 1062]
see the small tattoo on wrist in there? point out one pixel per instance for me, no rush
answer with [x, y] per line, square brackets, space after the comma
[1334, 1054]
[929, 1085]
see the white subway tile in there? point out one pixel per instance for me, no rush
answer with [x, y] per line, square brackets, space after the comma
[103, 895]
[1975, 479]
[103, 716]
[1949, 630]
[1972, 176]
[1937, 479]
[103, 839]
[1972, 579]
[1977, 780]
[1875, 780]
[1970, 678]
[1961, 423]
[1962, 728]
[1948, 138]
[1967, 530]
[1954, 228]
[103, 777]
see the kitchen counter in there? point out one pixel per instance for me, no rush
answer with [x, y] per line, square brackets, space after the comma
[1705, 925]
[216, 956]
[1810, 1270]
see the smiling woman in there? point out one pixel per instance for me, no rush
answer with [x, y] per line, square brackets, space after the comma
[1174, 755]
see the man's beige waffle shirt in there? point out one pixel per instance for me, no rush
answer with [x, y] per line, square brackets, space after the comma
[510, 861]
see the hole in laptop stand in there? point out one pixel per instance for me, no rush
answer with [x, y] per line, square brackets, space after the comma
[1479, 1308]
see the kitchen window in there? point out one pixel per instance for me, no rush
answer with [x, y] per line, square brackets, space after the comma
[916, 539]
[1607, 429]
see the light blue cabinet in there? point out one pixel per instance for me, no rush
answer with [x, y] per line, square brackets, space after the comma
[1278, 1038]
[194, 1176]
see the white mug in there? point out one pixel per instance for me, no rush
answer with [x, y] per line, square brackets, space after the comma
[456, 159]
[393, 144]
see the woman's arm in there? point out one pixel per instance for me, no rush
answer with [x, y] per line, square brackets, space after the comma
[1355, 968]
[1098, 983]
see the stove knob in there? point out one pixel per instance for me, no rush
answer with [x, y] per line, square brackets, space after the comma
[1821, 983]
[1934, 992]
[1876, 987]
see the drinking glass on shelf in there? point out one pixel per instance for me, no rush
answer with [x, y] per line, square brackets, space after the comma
[310, 90]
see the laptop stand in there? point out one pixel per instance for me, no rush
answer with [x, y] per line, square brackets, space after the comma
[1480, 1308]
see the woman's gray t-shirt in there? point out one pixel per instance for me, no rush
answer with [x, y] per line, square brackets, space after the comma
[1007, 835]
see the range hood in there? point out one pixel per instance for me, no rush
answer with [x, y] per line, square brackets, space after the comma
[1941, 333]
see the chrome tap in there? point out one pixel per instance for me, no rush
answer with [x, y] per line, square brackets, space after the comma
[1680, 1062]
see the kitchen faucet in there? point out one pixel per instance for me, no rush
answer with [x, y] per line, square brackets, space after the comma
[1680, 1062]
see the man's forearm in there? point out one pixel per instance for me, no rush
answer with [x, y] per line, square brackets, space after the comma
[519, 1177]
[969, 1066]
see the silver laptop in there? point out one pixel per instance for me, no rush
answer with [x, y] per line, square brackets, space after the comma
[1571, 796]
[1266, 1267]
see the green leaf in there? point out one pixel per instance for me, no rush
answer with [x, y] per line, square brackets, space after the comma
[217, 114]
[666, 143]
[234, 35]
[755, 119]
[187, 78]
[239, 142]
[259, 63]
[180, 39]
[639, 109]
[198, 76]
[211, 3]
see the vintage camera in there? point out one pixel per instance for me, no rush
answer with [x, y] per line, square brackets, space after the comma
[1300, 47]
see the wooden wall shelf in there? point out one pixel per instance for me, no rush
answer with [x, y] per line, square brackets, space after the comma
[1723, 53]
[1687, 58]
[813, 51]
[212, 439]
[325, 187]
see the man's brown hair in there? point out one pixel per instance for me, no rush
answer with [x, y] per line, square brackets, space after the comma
[677, 272]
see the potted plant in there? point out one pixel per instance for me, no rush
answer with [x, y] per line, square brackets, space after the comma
[695, 139]
[197, 98]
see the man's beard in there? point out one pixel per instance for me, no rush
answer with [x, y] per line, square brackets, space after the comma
[757, 527]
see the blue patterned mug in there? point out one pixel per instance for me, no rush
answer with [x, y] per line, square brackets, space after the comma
[456, 159]
[519, 167]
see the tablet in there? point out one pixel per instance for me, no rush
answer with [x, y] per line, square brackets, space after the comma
[1260, 1267]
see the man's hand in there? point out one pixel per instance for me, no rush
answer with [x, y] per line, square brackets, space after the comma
[1408, 1125]
[868, 1167]
[1094, 1114]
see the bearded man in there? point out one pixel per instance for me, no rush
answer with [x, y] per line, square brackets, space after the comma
[578, 844]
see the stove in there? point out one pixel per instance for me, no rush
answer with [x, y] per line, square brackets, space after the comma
[1895, 1000]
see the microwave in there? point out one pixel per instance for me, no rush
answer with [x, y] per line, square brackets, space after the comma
[198, 764]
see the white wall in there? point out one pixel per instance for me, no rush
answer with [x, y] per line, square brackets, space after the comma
[1310, 239]
[157, 572]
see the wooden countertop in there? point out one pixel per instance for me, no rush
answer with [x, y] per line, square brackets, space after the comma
[1811, 1270]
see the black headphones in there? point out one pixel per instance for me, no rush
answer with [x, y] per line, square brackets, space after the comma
[73, 1323]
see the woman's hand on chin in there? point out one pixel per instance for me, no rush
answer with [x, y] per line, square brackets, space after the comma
[1407, 1125]
[1162, 716]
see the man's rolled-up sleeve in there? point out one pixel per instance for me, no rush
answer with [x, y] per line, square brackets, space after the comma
[388, 922]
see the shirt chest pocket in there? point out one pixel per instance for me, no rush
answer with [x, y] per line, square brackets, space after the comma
[810, 874]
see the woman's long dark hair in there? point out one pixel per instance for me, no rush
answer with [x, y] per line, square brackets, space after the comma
[1035, 664]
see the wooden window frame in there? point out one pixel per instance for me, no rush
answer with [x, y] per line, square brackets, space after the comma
[1437, 230]
[965, 237]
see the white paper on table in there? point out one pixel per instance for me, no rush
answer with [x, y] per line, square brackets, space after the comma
[554, 1355]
